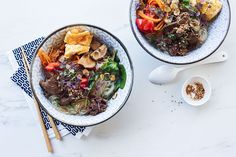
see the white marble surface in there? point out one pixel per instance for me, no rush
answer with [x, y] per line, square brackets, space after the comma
[153, 122]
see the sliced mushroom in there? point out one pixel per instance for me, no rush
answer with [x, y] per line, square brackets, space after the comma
[99, 53]
[95, 45]
[87, 62]
[202, 35]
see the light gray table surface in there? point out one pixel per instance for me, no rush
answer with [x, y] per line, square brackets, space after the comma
[153, 122]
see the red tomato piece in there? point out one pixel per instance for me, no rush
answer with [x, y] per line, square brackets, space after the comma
[52, 66]
[49, 68]
[148, 26]
[84, 83]
[139, 23]
[145, 25]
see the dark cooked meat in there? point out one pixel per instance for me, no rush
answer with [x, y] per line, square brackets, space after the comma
[97, 105]
[48, 74]
[50, 86]
[193, 40]
[66, 101]
[170, 27]
[180, 36]
[183, 18]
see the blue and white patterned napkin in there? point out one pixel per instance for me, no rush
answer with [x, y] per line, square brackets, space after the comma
[20, 78]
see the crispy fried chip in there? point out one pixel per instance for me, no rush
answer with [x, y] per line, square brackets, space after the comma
[76, 36]
[75, 49]
[210, 8]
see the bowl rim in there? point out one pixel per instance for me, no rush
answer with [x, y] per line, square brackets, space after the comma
[174, 63]
[97, 27]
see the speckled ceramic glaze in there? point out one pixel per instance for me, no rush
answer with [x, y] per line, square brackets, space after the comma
[114, 105]
[216, 35]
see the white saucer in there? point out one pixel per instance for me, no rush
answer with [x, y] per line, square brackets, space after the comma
[206, 85]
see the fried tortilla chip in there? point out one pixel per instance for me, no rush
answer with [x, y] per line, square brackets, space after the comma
[76, 36]
[86, 40]
[210, 8]
[75, 49]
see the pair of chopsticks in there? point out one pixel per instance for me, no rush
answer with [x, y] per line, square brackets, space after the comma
[45, 134]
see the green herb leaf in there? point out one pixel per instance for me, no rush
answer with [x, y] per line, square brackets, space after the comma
[92, 80]
[171, 36]
[186, 2]
[123, 76]
[54, 100]
[110, 66]
[116, 59]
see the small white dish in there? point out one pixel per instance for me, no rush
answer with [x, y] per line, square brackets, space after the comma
[206, 85]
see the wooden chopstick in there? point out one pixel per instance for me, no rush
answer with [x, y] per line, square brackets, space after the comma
[54, 127]
[45, 134]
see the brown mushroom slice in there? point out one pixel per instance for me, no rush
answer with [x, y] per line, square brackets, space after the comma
[95, 45]
[202, 35]
[87, 62]
[99, 53]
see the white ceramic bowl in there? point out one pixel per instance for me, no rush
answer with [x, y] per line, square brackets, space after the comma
[114, 106]
[216, 34]
[207, 86]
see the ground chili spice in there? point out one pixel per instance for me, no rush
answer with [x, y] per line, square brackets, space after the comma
[196, 90]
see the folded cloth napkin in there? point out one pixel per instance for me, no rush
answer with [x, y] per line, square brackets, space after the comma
[21, 80]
